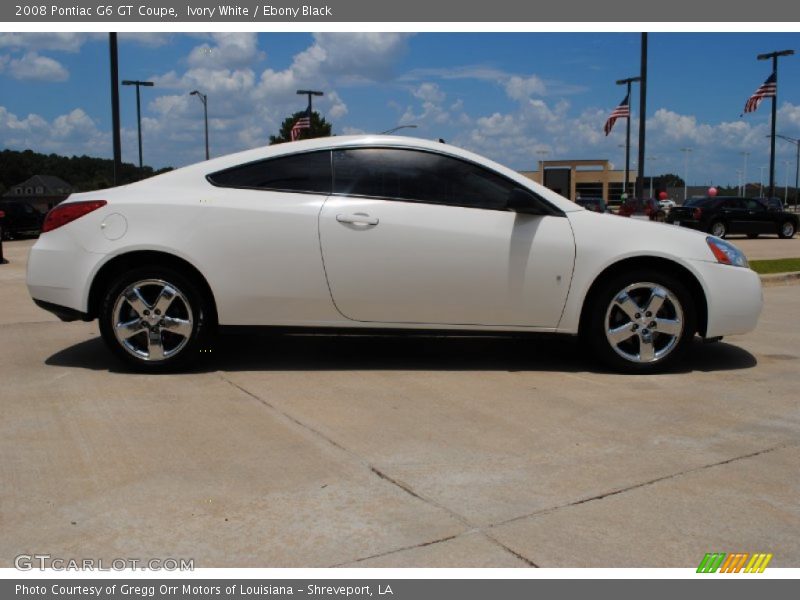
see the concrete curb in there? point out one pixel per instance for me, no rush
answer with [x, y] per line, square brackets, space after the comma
[780, 278]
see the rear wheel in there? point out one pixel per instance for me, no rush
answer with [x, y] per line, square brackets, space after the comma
[155, 319]
[641, 321]
[719, 229]
[786, 230]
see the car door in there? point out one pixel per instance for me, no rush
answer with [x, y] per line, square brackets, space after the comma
[759, 218]
[413, 236]
[734, 214]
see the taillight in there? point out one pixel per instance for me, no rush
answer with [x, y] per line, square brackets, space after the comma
[697, 213]
[66, 213]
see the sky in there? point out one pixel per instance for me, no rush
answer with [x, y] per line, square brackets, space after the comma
[514, 97]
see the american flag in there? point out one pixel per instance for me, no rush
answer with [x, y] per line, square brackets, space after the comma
[301, 123]
[768, 89]
[623, 110]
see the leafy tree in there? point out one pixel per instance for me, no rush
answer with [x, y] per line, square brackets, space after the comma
[319, 128]
[85, 173]
[670, 180]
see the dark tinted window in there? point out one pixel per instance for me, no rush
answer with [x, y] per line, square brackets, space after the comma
[418, 176]
[701, 202]
[309, 172]
[755, 205]
[736, 203]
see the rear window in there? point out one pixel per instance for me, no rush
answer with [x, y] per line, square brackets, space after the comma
[309, 172]
[701, 202]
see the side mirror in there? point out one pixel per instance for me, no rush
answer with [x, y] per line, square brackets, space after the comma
[522, 202]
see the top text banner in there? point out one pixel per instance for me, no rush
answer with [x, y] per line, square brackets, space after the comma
[439, 11]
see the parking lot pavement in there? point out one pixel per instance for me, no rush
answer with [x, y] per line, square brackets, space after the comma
[767, 247]
[322, 451]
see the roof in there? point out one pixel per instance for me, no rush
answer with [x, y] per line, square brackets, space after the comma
[50, 183]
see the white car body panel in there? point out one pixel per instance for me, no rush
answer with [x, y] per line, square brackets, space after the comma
[450, 265]
[265, 254]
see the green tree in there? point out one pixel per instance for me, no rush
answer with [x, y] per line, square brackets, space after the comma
[319, 128]
[670, 180]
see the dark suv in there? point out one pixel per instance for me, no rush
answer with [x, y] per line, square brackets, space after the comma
[722, 215]
[19, 218]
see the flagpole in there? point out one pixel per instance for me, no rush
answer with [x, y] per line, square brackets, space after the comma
[628, 82]
[642, 114]
[774, 56]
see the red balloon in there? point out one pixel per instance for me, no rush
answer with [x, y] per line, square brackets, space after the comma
[663, 195]
[712, 191]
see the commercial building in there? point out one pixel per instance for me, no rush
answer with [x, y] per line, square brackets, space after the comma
[575, 179]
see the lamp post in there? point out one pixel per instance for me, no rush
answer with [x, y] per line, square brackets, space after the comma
[310, 93]
[774, 56]
[138, 84]
[642, 109]
[686, 153]
[114, 67]
[398, 128]
[786, 184]
[627, 82]
[796, 142]
[744, 174]
[761, 181]
[204, 99]
[651, 159]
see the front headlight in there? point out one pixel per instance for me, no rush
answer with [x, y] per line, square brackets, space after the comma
[726, 253]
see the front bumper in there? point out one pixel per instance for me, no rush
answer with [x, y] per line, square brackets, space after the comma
[734, 298]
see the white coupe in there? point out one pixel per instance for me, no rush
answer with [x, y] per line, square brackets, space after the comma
[359, 233]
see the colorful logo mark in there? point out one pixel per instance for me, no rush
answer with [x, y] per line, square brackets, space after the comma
[714, 562]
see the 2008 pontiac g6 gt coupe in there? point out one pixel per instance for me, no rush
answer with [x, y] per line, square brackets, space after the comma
[373, 232]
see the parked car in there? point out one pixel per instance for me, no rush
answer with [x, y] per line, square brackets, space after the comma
[642, 208]
[593, 204]
[773, 203]
[19, 218]
[667, 204]
[373, 233]
[723, 215]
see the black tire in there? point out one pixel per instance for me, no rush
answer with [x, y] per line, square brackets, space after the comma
[752, 236]
[718, 228]
[191, 305]
[787, 229]
[602, 312]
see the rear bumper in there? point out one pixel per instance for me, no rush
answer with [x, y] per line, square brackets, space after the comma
[62, 312]
[696, 225]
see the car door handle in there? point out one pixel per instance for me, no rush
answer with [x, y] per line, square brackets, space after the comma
[358, 219]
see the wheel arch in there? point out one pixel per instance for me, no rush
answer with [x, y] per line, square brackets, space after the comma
[136, 258]
[649, 262]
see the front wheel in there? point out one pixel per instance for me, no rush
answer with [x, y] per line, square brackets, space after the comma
[155, 319]
[787, 230]
[641, 322]
[719, 229]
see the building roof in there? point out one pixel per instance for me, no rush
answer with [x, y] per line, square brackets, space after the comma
[50, 184]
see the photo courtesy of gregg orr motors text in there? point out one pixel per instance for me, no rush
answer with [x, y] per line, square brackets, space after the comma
[187, 589]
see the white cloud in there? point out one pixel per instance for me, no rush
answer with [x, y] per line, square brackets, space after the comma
[228, 50]
[521, 88]
[60, 41]
[34, 67]
[71, 133]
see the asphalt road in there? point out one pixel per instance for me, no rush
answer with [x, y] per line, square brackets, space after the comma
[321, 451]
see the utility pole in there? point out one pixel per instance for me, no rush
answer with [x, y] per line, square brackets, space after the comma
[627, 82]
[204, 99]
[796, 142]
[139, 84]
[642, 113]
[774, 57]
[112, 47]
[686, 153]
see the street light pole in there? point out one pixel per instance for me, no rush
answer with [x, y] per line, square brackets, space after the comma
[642, 112]
[761, 181]
[774, 56]
[627, 82]
[310, 93]
[686, 153]
[139, 84]
[744, 174]
[796, 142]
[204, 99]
[114, 63]
[786, 184]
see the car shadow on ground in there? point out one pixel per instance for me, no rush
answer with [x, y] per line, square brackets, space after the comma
[353, 353]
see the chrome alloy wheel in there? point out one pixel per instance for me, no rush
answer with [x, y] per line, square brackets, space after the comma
[644, 322]
[787, 229]
[718, 229]
[152, 320]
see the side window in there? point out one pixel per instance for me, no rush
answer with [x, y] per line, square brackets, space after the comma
[418, 176]
[733, 203]
[308, 172]
[755, 205]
